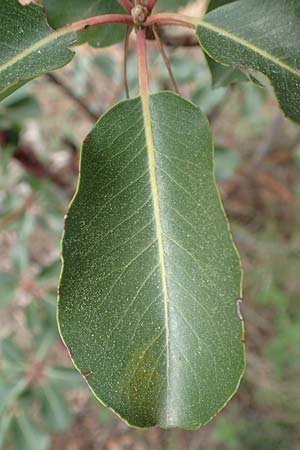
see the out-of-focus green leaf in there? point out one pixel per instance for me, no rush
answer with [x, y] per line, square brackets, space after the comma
[222, 75]
[29, 48]
[147, 301]
[49, 272]
[170, 5]
[63, 378]
[27, 435]
[106, 64]
[259, 35]
[10, 392]
[8, 285]
[60, 13]
[226, 162]
[11, 352]
[226, 433]
[18, 111]
[54, 409]
[5, 421]
[42, 344]
[19, 253]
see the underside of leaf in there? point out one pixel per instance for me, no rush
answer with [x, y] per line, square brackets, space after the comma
[151, 279]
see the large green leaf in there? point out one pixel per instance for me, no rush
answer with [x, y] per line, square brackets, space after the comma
[223, 75]
[63, 12]
[54, 410]
[150, 281]
[29, 48]
[259, 35]
[213, 4]
[27, 435]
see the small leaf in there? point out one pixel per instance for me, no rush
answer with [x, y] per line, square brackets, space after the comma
[148, 292]
[227, 162]
[8, 283]
[16, 109]
[27, 435]
[61, 13]
[63, 378]
[259, 35]
[54, 409]
[29, 48]
[5, 422]
[11, 352]
[9, 393]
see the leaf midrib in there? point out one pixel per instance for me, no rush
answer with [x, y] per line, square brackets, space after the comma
[35, 47]
[242, 41]
[157, 218]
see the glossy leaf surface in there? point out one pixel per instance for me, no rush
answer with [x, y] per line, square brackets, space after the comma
[151, 279]
[61, 13]
[29, 48]
[259, 35]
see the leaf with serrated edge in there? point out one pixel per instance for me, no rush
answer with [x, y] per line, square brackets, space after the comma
[29, 47]
[151, 278]
[259, 35]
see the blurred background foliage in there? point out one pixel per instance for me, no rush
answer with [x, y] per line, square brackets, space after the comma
[44, 403]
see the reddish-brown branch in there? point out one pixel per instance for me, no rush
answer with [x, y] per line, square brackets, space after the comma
[98, 20]
[171, 19]
[142, 60]
[150, 5]
[28, 160]
[165, 58]
[157, 19]
[127, 5]
[125, 60]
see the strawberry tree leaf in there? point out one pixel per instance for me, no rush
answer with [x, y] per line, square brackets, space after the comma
[150, 281]
[171, 5]
[29, 48]
[261, 36]
[213, 4]
[222, 75]
[61, 13]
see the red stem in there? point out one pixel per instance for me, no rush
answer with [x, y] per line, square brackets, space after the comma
[127, 5]
[142, 60]
[150, 5]
[171, 19]
[99, 20]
